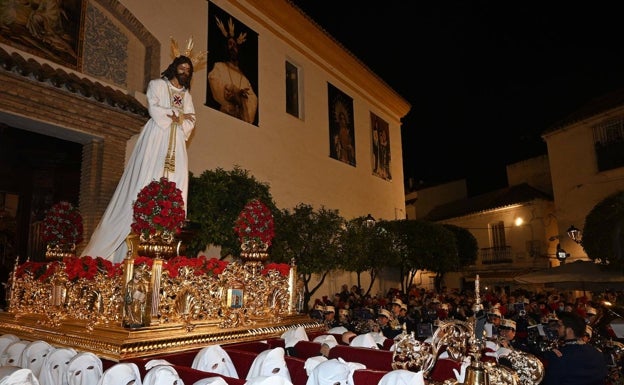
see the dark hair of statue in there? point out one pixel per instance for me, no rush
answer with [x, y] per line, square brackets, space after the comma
[172, 70]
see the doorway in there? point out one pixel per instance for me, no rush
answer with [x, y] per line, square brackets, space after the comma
[36, 171]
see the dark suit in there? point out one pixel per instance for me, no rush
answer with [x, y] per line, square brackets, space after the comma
[580, 364]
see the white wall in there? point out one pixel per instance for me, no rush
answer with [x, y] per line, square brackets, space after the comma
[289, 154]
[577, 184]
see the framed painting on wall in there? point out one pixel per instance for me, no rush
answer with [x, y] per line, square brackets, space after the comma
[232, 66]
[341, 127]
[52, 32]
[380, 147]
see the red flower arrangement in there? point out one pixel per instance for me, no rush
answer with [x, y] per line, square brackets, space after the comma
[140, 260]
[159, 208]
[62, 224]
[255, 224]
[87, 267]
[75, 268]
[282, 268]
[201, 265]
[38, 270]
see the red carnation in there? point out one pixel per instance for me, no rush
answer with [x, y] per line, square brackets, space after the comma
[159, 208]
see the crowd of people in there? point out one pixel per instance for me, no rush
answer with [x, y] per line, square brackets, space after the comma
[568, 333]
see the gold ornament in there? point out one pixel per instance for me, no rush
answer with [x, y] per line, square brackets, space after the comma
[197, 60]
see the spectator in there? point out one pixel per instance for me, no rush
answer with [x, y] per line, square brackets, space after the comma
[329, 317]
[383, 318]
[344, 293]
[493, 322]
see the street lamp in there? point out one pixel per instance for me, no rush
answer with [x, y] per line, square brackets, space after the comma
[369, 221]
[574, 234]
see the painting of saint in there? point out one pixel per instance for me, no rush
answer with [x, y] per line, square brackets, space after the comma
[47, 28]
[380, 147]
[232, 66]
[235, 298]
[341, 128]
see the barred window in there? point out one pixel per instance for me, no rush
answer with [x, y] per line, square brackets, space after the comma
[497, 234]
[609, 144]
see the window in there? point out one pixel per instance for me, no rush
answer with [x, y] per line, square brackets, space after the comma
[497, 234]
[609, 144]
[499, 252]
[534, 248]
[293, 86]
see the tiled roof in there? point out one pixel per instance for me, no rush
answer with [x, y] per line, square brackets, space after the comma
[593, 107]
[521, 193]
[44, 73]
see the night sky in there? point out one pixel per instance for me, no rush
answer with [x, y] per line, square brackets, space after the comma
[485, 78]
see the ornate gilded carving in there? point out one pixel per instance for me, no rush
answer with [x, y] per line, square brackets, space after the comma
[162, 311]
[149, 296]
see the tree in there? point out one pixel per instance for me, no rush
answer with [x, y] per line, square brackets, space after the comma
[405, 245]
[365, 248]
[603, 231]
[440, 249]
[216, 198]
[423, 245]
[312, 239]
[467, 245]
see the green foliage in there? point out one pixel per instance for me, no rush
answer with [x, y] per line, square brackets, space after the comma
[216, 198]
[309, 237]
[603, 231]
[321, 240]
[467, 245]
[365, 248]
[356, 239]
[423, 245]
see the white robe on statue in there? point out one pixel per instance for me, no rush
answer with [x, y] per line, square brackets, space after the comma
[145, 165]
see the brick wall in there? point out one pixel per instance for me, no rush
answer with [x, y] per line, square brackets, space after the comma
[57, 111]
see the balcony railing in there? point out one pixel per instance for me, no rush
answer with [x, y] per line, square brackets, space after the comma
[492, 255]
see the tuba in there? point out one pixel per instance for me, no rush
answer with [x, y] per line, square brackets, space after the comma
[529, 368]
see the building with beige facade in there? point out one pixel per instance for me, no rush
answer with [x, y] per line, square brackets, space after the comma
[86, 85]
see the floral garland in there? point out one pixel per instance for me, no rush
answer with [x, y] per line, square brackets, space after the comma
[88, 267]
[75, 268]
[158, 209]
[200, 265]
[282, 268]
[255, 224]
[143, 260]
[62, 225]
[38, 270]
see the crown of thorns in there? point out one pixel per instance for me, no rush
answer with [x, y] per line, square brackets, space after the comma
[229, 33]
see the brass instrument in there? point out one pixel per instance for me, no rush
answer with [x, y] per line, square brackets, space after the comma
[530, 369]
[464, 345]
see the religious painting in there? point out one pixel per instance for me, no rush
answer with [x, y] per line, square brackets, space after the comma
[232, 66]
[235, 298]
[48, 29]
[341, 127]
[380, 147]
